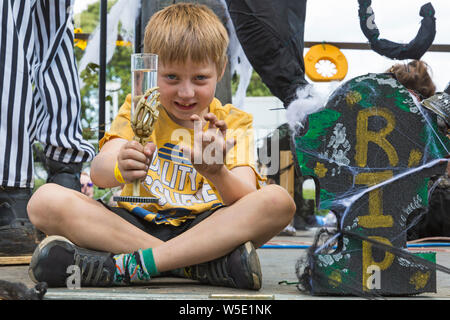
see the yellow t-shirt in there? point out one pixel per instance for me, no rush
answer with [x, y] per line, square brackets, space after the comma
[182, 192]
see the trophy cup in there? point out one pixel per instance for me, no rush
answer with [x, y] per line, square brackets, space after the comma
[144, 110]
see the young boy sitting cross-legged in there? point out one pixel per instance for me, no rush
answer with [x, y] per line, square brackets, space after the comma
[212, 211]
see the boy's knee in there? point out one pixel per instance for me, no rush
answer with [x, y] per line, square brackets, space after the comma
[280, 201]
[40, 205]
[36, 204]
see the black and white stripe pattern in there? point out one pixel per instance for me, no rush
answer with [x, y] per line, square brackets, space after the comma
[39, 85]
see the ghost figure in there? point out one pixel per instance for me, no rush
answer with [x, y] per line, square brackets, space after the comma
[340, 145]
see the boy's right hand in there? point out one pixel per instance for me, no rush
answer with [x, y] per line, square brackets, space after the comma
[134, 159]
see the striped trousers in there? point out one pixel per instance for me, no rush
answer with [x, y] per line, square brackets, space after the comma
[40, 94]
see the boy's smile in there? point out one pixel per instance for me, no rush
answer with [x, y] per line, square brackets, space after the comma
[186, 89]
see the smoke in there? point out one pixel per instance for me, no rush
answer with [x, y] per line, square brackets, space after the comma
[310, 99]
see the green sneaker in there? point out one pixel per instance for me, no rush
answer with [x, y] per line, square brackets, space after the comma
[239, 269]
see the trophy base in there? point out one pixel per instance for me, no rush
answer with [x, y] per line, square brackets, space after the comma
[135, 199]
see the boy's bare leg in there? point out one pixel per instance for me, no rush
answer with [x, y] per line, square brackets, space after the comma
[87, 223]
[257, 217]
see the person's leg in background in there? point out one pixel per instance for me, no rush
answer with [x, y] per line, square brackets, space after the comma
[57, 83]
[17, 119]
[36, 51]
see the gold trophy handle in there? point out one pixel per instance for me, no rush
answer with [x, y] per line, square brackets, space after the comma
[143, 122]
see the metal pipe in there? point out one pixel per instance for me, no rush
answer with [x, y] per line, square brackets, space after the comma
[366, 46]
[138, 33]
[102, 71]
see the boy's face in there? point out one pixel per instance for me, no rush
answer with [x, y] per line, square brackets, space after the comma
[186, 89]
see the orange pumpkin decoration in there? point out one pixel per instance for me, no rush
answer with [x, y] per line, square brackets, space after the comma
[324, 62]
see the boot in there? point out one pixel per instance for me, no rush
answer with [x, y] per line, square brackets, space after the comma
[18, 236]
[64, 174]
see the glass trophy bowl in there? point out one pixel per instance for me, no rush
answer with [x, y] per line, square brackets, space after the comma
[144, 68]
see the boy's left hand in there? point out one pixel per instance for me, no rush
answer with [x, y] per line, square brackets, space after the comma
[210, 146]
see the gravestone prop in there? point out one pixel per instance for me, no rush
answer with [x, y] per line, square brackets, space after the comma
[371, 151]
